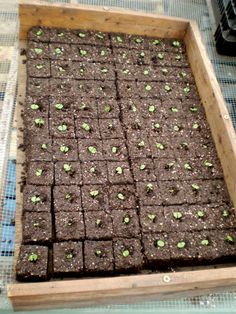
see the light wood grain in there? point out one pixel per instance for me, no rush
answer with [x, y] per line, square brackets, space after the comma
[73, 16]
[216, 110]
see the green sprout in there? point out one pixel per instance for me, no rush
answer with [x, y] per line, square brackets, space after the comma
[92, 149]
[142, 54]
[149, 188]
[195, 187]
[61, 34]
[160, 243]
[83, 52]
[200, 214]
[186, 89]
[98, 252]
[121, 196]
[229, 239]
[195, 126]
[167, 88]
[183, 74]
[187, 166]
[94, 193]
[104, 70]
[62, 127]
[126, 220]
[225, 213]
[59, 106]
[33, 257]
[100, 35]
[125, 253]
[107, 108]
[193, 109]
[146, 72]
[160, 56]
[141, 144]
[142, 167]
[64, 149]
[36, 224]
[58, 51]
[152, 217]
[174, 109]
[68, 196]
[155, 42]
[81, 35]
[160, 146]
[138, 40]
[34, 106]
[114, 149]
[39, 122]
[119, 170]
[151, 108]
[164, 71]
[69, 255]
[44, 146]
[39, 32]
[176, 44]
[39, 172]
[119, 39]
[177, 215]
[67, 167]
[208, 164]
[181, 245]
[148, 87]
[184, 145]
[98, 222]
[35, 199]
[103, 53]
[205, 242]
[169, 165]
[86, 127]
[93, 170]
[157, 126]
[178, 57]
[176, 128]
[133, 108]
[126, 71]
[173, 190]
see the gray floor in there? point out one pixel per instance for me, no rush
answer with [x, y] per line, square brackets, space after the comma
[226, 73]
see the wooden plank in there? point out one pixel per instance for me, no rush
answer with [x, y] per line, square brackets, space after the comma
[34, 13]
[45, 295]
[216, 110]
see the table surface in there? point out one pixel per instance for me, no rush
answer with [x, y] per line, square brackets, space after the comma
[226, 73]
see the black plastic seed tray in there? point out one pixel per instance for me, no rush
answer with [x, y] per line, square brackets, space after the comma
[225, 42]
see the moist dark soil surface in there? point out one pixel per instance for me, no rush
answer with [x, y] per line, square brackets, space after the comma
[122, 174]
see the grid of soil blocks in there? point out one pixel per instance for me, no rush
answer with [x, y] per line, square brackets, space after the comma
[122, 173]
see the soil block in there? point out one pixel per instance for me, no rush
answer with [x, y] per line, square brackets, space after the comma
[40, 173]
[98, 225]
[90, 150]
[67, 198]
[119, 172]
[122, 197]
[67, 258]
[125, 223]
[69, 226]
[152, 219]
[143, 169]
[87, 128]
[62, 106]
[68, 173]
[36, 106]
[37, 198]
[115, 149]
[110, 128]
[94, 197]
[61, 69]
[39, 34]
[40, 149]
[60, 51]
[38, 68]
[108, 109]
[94, 172]
[86, 108]
[65, 149]
[38, 87]
[62, 128]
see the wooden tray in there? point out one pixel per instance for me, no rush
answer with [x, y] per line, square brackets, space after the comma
[97, 291]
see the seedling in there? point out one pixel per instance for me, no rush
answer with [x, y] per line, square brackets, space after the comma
[121, 196]
[164, 71]
[146, 72]
[39, 66]
[33, 258]
[92, 149]
[160, 243]
[174, 190]
[200, 214]
[98, 252]
[68, 196]
[126, 253]
[193, 109]
[186, 89]
[142, 167]
[119, 170]
[141, 144]
[61, 69]
[86, 127]
[81, 35]
[183, 74]
[167, 88]
[142, 54]
[99, 35]
[94, 193]
[35, 199]
[151, 108]
[208, 164]
[36, 224]
[176, 44]
[114, 149]
[67, 167]
[98, 222]
[83, 106]
[152, 217]
[104, 70]
[39, 172]
[58, 51]
[178, 57]
[39, 122]
[174, 109]
[119, 39]
[195, 126]
[169, 165]
[103, 53]
[126, 220]
[184, 145]
[126, 71]
[187, 166]
[64, 149]
[111, 126]
[225, 213]
[149, 188]
[93, 170]
[157, 126]
[138, 40]
[69, 255]
[155, 42]
[229, 239]
[62, 127]
[107, 108]
[205, 242]
[39, 33]
[195, 187]
[160, 56]
[83, 52]
[34, 107]
[148, 87]
[177, 215]
[61, 34]
[134, 108]
[59, 106]
[181, 245]
[160, 146]
[176, 128]
[44, 146]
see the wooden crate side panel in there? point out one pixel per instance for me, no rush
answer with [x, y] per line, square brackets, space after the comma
[90, 292]
[216, 111]
[33, 13]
